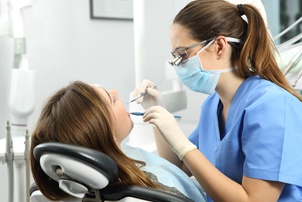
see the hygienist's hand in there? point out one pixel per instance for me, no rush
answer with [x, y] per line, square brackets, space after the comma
[152, 98]
[170, 130]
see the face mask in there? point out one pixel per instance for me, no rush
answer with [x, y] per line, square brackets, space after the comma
[195, 77]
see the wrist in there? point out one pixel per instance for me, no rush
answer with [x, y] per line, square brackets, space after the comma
[183, 147]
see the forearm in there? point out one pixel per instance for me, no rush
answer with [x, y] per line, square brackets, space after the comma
[216, 185]
[164, 149]
[221, 188]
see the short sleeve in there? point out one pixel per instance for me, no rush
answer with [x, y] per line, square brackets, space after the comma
[272, 138]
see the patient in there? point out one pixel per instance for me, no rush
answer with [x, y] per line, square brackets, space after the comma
[89, 116]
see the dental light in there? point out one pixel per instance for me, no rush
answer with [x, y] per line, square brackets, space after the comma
[21, 102]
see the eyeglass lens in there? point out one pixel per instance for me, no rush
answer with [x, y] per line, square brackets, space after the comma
[182, 53]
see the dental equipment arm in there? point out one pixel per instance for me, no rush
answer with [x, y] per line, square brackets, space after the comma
[287, 29]
[288, 43]
[294, 61]
[21, 101]
[9, 155]
[297, 78]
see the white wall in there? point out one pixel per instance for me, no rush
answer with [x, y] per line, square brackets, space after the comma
[64, 44]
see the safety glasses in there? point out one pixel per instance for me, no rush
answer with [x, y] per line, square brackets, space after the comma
[181, 55]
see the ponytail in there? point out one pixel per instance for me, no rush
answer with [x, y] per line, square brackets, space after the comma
[257, 56]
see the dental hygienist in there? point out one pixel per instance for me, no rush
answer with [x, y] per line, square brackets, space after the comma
[247, 144]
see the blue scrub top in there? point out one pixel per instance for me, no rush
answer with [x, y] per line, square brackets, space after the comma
[262, 137]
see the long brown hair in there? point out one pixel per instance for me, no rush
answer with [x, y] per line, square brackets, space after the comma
[210, 18]
[78, 115]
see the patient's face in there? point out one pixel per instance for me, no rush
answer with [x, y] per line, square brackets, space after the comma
[123, 122]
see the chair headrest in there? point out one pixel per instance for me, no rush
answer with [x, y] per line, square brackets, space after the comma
[82, 165]
[93, 158]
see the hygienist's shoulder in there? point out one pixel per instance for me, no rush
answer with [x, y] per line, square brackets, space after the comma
[264, 89]
[256, 92]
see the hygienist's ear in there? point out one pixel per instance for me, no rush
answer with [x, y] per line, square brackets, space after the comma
[221, 42]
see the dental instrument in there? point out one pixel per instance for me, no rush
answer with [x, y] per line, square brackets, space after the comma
[144, 93]
[142, 113]
[27, 164]
[294, 61]
[297, 78]
[9, 157]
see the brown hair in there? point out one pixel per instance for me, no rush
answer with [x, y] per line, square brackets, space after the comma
[210, 18]
[78, 115]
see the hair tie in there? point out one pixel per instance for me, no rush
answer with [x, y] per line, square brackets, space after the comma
[240, 9]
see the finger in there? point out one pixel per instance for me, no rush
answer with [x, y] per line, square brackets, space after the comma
[148, 113]
[153, 112]
[148, 83]
[135, 94]
[139, 100]
[153, 92]
[150, 118]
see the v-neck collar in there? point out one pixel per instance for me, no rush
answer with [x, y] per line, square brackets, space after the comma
[233, 105]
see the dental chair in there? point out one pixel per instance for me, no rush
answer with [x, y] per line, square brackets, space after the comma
[86, 175]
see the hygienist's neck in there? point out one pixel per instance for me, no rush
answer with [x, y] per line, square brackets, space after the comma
[227, 86]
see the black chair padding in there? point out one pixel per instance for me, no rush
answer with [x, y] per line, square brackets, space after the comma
[93, 158]
[144, 193]
[120, 192]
